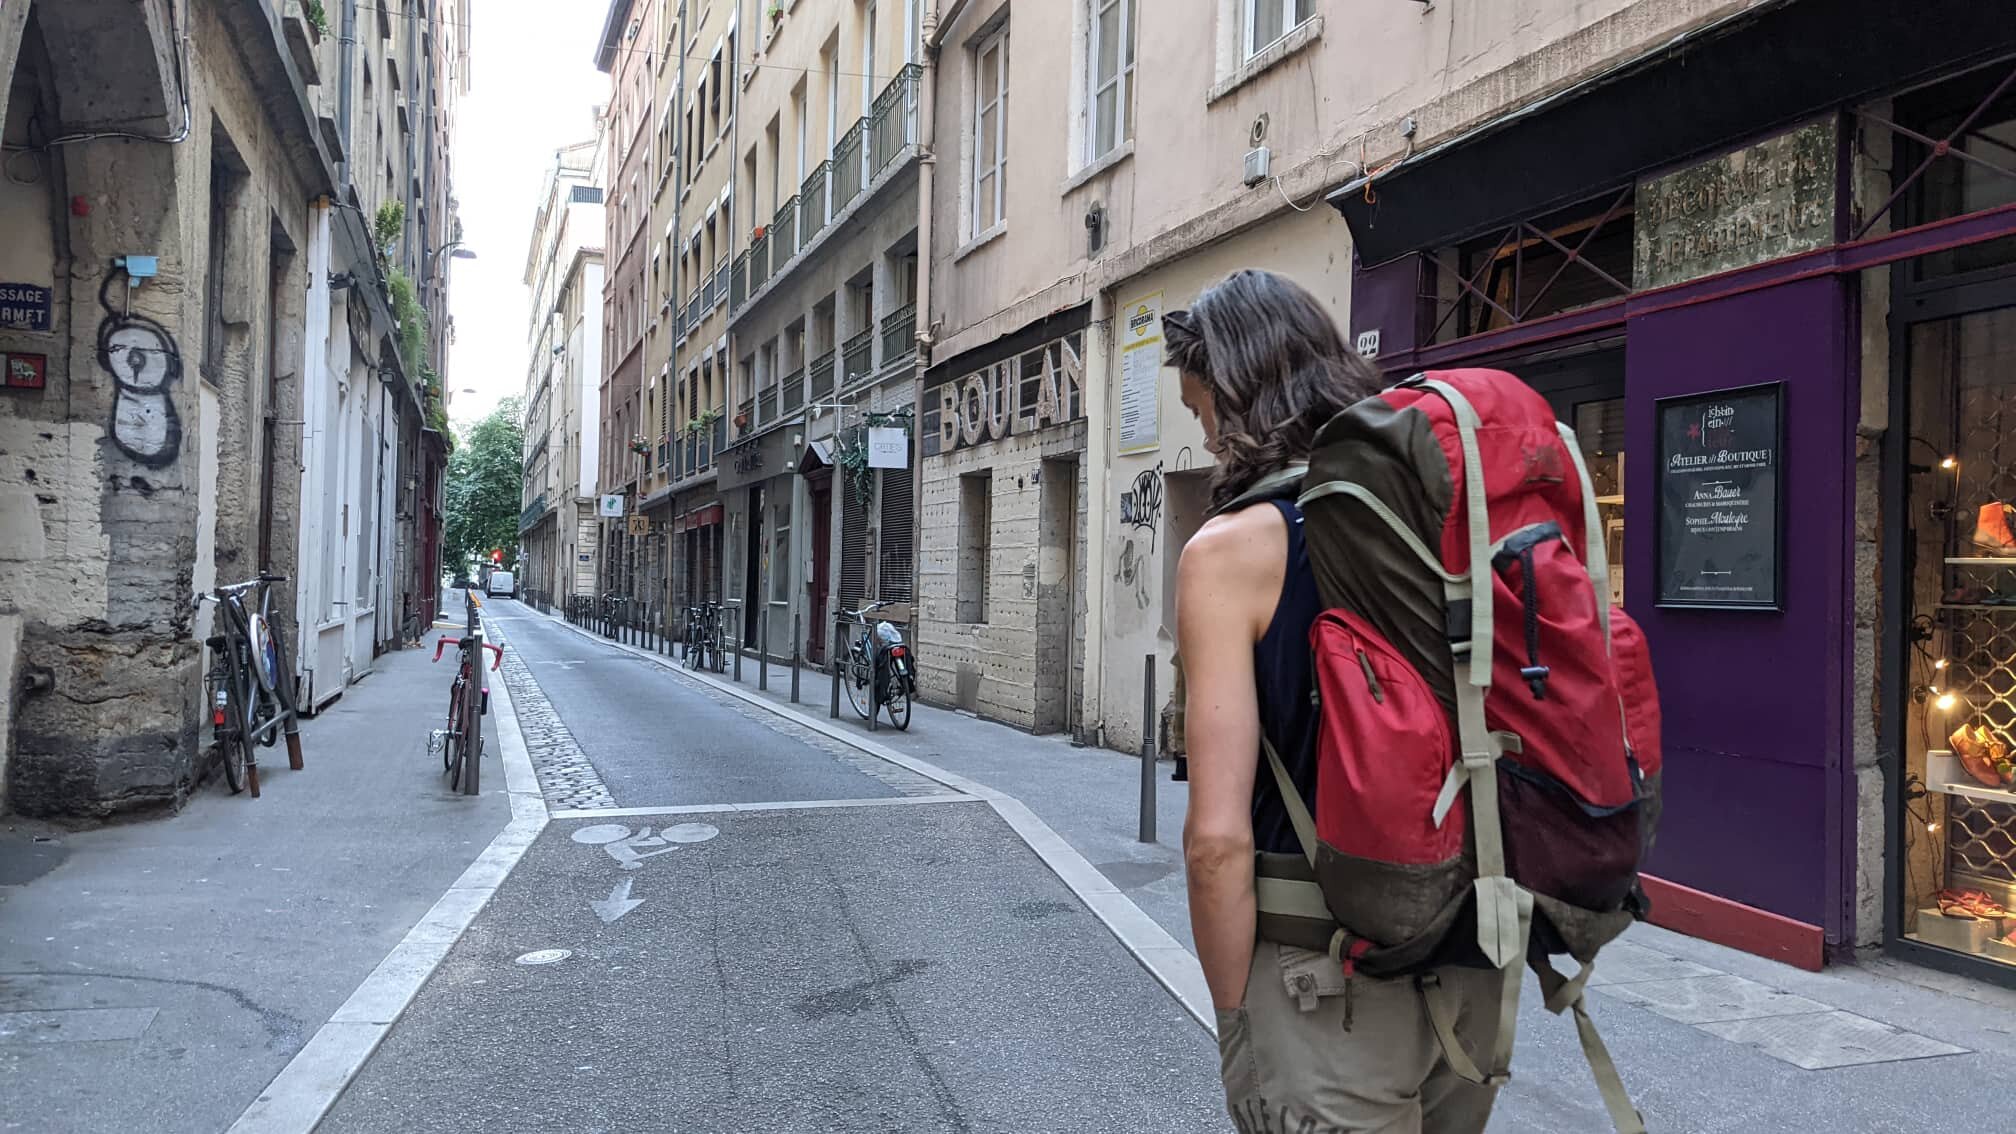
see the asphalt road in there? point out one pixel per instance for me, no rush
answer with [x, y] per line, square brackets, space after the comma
[902, 962]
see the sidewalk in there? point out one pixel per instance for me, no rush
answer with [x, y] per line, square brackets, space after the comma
[155, 976]
[1709, 1039]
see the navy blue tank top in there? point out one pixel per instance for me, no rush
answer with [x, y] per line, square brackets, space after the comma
[1282, 670]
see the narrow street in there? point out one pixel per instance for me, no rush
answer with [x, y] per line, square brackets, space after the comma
[767, 931]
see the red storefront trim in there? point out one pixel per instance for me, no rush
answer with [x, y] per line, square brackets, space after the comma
[1695, 913]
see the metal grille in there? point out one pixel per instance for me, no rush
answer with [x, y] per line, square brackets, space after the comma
[847, 173]
[812, 201]
[853, 546]
[784, 232]
[794, 392]
[858, 354]
[894, 574]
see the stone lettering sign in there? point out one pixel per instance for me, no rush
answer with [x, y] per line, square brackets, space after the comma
[1759, 203]
[1030, 391]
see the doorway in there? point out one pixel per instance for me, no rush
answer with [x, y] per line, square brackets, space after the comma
[752, 566]
[1056, 595]
[819, 499]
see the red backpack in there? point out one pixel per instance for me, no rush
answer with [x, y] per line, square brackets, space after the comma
[1487, 768]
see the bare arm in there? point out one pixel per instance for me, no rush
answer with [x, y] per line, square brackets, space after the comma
[1226, 586]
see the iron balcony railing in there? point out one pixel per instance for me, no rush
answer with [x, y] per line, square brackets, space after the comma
[738, 282]
[813, 206]
[858, 356]
[703, 300]
[794, 392]
[720, 286]
[899, 333]
[746, 414]
[720, 441]
[759, 263]
[893, 121]
[848, 180]
[766, 407]
[784, 232]
[821, 377]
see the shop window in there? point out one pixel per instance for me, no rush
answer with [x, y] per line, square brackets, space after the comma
[1959, 884]
[976, 520]
[1599, 427]
[1976, 171]
[1577, 257]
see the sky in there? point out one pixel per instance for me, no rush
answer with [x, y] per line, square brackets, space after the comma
[534, 89]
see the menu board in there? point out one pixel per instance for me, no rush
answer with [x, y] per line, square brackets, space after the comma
[1720, 495]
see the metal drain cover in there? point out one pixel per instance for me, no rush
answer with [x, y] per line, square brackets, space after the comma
[544, 956]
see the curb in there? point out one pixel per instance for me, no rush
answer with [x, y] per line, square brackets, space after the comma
[1165, 958]
[304, 1090]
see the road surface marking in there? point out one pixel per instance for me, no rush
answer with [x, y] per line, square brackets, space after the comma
[772, 805]
[618, 903]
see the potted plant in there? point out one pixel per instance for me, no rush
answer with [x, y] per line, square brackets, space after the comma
[776, 11]
[742, 420]
[759, 232]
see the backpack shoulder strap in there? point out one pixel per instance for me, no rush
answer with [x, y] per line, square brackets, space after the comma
[1281, 484]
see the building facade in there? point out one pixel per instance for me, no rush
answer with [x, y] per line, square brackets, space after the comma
[559, 534]
[189, 279]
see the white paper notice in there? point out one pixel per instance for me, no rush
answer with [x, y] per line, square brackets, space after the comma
[1141, 374]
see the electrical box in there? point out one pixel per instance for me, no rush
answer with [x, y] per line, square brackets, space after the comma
[141, 267]
[1259, 161]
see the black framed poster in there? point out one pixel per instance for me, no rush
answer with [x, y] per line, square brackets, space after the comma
[1719, 531]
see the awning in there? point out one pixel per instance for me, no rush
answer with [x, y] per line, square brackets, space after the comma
[818, 455]
[1771, 66]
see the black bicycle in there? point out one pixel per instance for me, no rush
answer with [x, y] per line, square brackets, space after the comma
[878, 671]
[460, 740]
[248, 688]
[703, 637]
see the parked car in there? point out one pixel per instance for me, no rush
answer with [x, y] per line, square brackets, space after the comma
[501, 583]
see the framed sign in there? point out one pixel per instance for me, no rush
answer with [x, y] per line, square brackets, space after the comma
[1720, 527]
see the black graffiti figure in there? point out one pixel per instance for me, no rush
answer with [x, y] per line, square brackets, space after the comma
[142, 358]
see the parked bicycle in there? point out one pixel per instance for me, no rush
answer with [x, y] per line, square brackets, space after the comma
[460, 741]
[248, 688]
[878, 672]
[703, 637]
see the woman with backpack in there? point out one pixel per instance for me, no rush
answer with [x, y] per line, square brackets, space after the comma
[1304, 1043]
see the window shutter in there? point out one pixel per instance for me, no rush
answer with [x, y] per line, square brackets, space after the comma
[898, 523]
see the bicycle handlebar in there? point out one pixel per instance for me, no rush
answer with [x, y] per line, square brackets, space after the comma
[869, 609]
[443, 643]
[218, 593]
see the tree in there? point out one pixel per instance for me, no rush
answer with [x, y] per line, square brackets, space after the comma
[484, 479]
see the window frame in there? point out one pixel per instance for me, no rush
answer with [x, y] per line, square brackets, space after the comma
[1122, 81]
[997, 42]
[1249, 18]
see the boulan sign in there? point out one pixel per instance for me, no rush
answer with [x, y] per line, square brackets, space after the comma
[1033, 390]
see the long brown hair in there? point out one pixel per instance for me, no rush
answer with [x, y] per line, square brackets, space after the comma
[1277, 369]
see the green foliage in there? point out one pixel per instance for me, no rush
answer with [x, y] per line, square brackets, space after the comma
[412, 319]
[486, 475]
[317, 18]
[389, 226]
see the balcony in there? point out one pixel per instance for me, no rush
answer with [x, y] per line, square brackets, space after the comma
[899, 333]
[812, 204]
[759, 263]
[892, 124]
[821, 377]
[738, 281]
[794, 392]
[784, 232]
[766, 407]
[858, 357]
[719, 286]
[847, 172]
[704, 301]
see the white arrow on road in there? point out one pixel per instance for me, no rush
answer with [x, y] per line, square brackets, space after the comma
[617, 904]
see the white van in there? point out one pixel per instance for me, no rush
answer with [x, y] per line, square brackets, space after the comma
[501, 583]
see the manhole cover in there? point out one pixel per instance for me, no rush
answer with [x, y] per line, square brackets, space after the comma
[544, 956]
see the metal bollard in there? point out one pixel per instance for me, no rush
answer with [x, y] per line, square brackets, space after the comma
[763, 647]
[832, 663]
[797, 655]
[1148, 749]
[738, 656]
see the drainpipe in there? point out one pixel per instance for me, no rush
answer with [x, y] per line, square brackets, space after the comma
[1098, 340]
[927, 176]
[344, 81]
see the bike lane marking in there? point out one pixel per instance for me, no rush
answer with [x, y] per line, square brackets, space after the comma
[304, 1090]
[1165, 958]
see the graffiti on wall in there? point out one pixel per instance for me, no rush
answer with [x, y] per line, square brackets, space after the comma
[144, 363]
[1141, 506]
[1132, 574]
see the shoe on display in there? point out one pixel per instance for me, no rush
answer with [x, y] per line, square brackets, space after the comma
[1976, 752]
[1995, 530]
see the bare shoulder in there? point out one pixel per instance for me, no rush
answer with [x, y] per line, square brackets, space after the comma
[1233, 566]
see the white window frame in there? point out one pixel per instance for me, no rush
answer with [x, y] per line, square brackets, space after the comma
[1294, 13]
[1120, 81]
[997, 162]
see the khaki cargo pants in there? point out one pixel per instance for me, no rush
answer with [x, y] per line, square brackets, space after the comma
[1292, 1066]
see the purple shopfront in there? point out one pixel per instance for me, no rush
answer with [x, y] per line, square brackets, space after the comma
[1748, 240]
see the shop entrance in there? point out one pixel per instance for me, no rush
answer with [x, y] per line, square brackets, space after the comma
[1954, 866]
[819, 501]
[752, 567]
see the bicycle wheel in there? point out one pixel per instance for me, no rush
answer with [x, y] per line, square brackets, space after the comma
[898, 702]
[229, 750]
[855, 678]
[452, 732]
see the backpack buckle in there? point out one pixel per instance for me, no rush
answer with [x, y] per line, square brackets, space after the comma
[1536, 680]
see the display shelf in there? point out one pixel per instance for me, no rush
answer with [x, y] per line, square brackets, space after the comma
[1980, 561]
[1944, 774]
[1981, 607]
